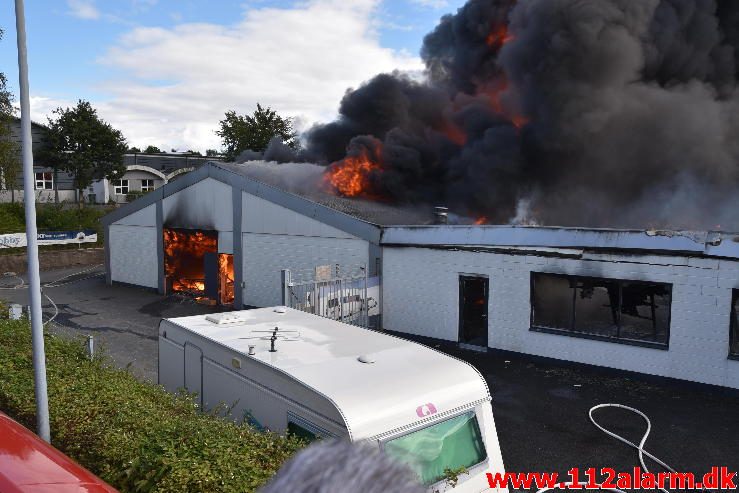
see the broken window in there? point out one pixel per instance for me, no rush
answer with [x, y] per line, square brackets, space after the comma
[734, 336]
[596, 307]
[623, 311]
[552, 301]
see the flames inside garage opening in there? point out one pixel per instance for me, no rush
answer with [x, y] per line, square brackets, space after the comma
[193, 266]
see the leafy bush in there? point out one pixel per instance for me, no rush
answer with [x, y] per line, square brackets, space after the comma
[134, 435]
[131, 196]
[12, 218]
[51, 217]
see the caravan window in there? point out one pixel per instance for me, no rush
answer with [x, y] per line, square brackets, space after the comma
[302, 428]
[299, 432]
[448, 445]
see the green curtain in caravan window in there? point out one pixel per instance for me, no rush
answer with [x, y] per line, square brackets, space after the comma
[450, 444]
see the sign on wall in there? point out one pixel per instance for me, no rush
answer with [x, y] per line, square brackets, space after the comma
[17, 240]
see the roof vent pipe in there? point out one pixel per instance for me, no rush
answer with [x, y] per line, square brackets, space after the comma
[441, 215]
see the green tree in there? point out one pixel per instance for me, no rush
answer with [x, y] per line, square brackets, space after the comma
[10, 163]
[82, 144]
[239, 133]
[152, 150]
[211, 153]
[133, 150]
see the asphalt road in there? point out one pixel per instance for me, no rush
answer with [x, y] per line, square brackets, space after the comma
[540, 407]
[123, 320]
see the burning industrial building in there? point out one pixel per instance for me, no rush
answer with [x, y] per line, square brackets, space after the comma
[537, 114]
[607, 113]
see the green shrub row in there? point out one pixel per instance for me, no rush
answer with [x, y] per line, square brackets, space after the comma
[50, 217]
[134, 435]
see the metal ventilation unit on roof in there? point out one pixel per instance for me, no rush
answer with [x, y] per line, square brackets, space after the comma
[225, 318]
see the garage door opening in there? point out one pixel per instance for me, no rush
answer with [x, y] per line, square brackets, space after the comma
[193, 266]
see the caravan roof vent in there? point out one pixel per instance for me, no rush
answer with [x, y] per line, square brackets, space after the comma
[281, 309]
[225, 318]
[366, 359]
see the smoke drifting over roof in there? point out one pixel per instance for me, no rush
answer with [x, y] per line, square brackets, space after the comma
[615, 113]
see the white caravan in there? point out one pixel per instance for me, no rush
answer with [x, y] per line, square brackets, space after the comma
[292, 372]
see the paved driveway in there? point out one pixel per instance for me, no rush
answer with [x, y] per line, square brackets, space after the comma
[122, 319]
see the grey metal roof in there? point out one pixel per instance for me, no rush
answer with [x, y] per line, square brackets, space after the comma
[302, 179]
[708, 243]
[382, 223]
[165, 163]
[229, 174]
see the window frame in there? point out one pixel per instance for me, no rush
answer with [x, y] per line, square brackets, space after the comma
[734, 325]
[596, 337]
[43, 180]
[405, 432]
[119, 186]
[309, 426]
[147, 188]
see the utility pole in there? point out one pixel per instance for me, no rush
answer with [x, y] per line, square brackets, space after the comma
[29, 197]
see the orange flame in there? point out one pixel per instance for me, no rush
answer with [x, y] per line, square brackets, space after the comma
[481, 220]
[226, 275]
[183, 258]
[350, 177]
[498, 37]
[494, 91]
[455, 134]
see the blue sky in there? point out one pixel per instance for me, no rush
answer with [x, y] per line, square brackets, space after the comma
[164, 71]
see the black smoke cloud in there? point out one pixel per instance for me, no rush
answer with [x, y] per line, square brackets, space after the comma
[615, 113]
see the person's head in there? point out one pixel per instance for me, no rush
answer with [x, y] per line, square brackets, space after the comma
[332, 466]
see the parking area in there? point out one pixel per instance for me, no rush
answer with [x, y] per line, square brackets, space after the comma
[541, 407]
[541, 412]
[123, 320]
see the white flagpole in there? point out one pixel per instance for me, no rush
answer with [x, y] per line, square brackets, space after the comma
[29, 198]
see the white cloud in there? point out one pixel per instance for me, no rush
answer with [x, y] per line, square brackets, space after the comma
[172, 86]
[83, 9]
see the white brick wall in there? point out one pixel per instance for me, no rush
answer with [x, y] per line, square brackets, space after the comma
[420, 296]
[265, 255]
[276, 238]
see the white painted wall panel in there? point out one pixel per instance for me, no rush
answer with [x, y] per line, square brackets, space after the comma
[262, 216]
[420, 296]
[133, 255]
[145, 217]
[204, 205]
[265, 255]
[225, 242]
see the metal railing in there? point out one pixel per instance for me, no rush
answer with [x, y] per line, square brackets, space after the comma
[345, 299]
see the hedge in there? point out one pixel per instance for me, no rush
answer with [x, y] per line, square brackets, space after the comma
[50, 217]
[134, 435]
